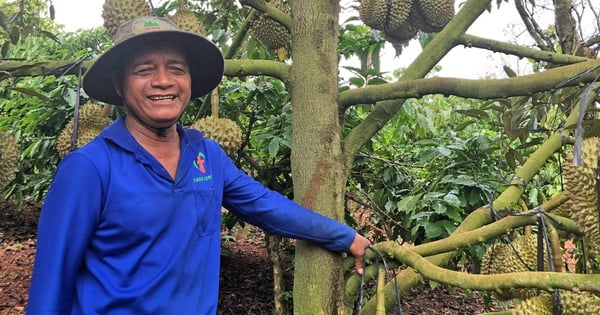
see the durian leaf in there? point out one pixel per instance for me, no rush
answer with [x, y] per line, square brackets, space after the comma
[50, 35]
[31, 93]
[377, 81]
[274, 146]
[475, 113]
[358, 82]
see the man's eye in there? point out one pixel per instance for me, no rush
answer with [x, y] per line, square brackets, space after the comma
[178, 69]
[143, 71]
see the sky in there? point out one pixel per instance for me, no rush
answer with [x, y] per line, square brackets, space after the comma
[469, 63]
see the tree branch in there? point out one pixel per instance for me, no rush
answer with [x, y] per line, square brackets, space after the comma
[541, 280]
[533, 28]
[240, 68]
[479, 89]
[516, 50]
[441, 44]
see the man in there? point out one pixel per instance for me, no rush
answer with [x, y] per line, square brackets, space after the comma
[131, 222]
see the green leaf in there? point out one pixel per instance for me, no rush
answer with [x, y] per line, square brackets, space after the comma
[452, 199]
[31, 92]
[408, 204]
[428, 155]
[433, 231]
[444, 151]
[274, 146]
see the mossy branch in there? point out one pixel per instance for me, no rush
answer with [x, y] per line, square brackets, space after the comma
[541, 280]
[41, 68]
[469, 88]
[240, 68]
[516, 50]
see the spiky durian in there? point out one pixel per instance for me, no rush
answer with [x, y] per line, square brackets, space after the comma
[520, 255]
[9, 158]
[225, 131]
[537, 305]
[269, 32]
[117, 12]
[580, 182]
[579, 303]
[572, 303]
[89, 124]
[186, 20]
[388, 16]
[434, 14]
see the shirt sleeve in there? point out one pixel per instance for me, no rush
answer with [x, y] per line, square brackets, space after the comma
[276, 214]
[69, 215]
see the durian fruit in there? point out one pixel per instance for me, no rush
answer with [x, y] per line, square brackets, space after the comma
[385, 15]
[520, 255]
[579, 303]
[117, 12]
[186, 20]
[390, 17]
[269, 32]
[92, 119]
[9, 158]
[580, 182]
[572, 302]
[433, 15]
[225, 131]
[537, 305]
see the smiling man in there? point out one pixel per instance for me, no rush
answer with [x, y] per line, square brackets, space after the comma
[131, 223]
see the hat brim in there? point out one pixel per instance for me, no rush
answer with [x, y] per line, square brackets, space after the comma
[204, 58]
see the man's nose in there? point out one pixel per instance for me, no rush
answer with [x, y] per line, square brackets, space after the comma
[161, 77]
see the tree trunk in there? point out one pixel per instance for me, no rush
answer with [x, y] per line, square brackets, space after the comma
[319, 180]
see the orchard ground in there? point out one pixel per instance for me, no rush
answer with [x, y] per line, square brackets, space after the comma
[246, 285]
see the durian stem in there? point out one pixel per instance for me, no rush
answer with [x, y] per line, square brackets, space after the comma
[523, 205]
[214, 102]
[380, 310]
[181, 4]
[557, 252]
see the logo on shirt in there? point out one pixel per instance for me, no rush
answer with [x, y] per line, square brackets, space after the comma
[200, 164]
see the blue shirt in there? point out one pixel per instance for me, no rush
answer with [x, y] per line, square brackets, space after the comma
[117, 235]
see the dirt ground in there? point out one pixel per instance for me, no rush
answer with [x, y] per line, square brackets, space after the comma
[246, 273]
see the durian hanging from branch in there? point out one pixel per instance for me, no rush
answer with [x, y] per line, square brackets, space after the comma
[117, 12]
[225, 131]
[91, 120]
[269, 32]
[401, 20]
[581, 186]
[187, 20]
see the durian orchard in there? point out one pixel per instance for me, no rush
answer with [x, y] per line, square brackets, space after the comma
[523, 264]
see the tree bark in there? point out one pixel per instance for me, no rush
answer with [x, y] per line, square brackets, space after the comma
[319, 183]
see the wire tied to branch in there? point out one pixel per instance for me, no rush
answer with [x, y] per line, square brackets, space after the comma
[379, 257]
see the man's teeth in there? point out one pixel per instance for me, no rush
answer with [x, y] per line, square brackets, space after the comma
[158, 98]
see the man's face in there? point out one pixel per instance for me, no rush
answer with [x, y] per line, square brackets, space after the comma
[156, 84]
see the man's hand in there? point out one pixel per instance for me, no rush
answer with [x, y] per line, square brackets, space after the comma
[358, 250]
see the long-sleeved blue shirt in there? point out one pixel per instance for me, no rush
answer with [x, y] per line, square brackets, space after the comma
[117, 235]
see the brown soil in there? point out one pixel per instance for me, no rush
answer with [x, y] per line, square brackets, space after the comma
[246, 273]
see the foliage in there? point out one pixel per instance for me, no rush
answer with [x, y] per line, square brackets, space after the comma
[35, 109]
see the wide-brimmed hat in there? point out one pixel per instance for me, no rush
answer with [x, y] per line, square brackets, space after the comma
[204, 58]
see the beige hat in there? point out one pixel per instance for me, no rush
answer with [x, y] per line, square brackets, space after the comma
[204, 58]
